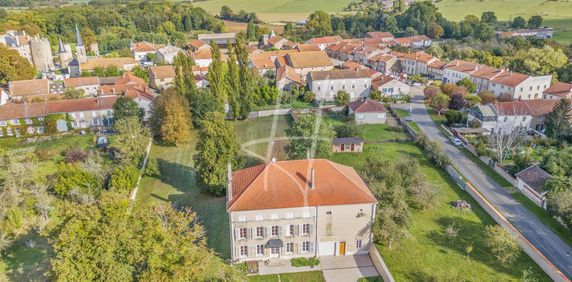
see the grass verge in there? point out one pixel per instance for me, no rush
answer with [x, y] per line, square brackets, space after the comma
[310, 276]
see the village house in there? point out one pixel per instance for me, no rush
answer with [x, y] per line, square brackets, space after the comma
[307, 47]
[287, 78]
[416, 42]
[435, 69]
[167, 54]
[326, 84]
[352, 65]
[416, 63]
[120, 85]
[559, 90]
[298, 208]
[273, 41]
[27, 90]
[324, 42]
[140, 50]
[161, 77]
[196, 45]
[347, 145]
[531, 182]
[542, 33]
[89, 84]
[123, 64]
[305, 62]
[505, 117]
[386, 63]
[389, 86]
[384, 36]
[367, 111]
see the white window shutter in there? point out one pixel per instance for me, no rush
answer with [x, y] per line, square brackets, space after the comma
[234, 233]
[298, 230]
[279, 231]
[248, 233]
[309, 229]
[287, 230]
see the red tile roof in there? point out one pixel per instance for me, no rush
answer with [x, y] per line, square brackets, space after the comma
[310, 59]
[366, 106]
[145, 47]
[286, 184]
[29, 87]
[560, 89]
[325, 40]
[379, 34]
[307, 47]
[29, 110]
[81, 81]
[288, 73]
[160, 72]
[537, 107]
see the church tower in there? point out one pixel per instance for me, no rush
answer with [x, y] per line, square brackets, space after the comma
[81, 52]
[65, 54]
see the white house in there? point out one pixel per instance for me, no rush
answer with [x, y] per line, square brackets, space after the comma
[326, 84]
[390, 86]
[367, 111]
[298, 208]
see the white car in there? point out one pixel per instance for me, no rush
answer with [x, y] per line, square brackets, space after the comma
[456, 141]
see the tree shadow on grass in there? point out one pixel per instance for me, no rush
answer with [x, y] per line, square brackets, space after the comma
[471, 233]
[25, 263]
[210, 210]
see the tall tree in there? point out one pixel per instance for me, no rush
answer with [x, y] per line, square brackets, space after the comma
[13, 66]
[131, 140]
[247, 82]
[150, 244]
[125, 107]
[184, 77]
[535, 21]
[319, 24]
[558, 121]
[489, 18]
[216, 74]
[440, 103]
[251, 31]
[170, 118]
[217, 146]
[518, 22]
[310, 135]
[232, 80]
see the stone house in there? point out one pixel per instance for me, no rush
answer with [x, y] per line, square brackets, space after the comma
[326, 84]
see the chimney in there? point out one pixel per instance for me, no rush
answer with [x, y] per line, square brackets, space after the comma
[312, 180]
[229, 184]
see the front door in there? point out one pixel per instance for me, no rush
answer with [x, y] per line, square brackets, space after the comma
[274, 252]
[342, 248]
[342, 147]
[352, 148]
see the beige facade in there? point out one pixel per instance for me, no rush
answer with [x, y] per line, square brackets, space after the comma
[304, 231]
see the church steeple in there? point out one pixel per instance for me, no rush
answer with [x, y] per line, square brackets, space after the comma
[61, 48]
[78, 36]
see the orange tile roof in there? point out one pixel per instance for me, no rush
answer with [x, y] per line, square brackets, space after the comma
[145, 46]
[437, 64]
[307, 47]
[537, 107]
[105, 62]
[289, 73]
[411, 39]
[160, 72]
[366, 106]
[379, 34]
[560, 89]
[325, 40]
[286, 184]
[275, 39]
[353, 65]
[510, 78]
[29, 87]
[310, 59]
[29, 110]
[81, 81]
[140, 92]
[196, 43]
[419, 56]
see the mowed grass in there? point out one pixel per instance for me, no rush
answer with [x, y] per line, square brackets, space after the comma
[310, 276]
[177, 184]
[377, 133]
[426, 254]
[275, 11]
[254, 135]
[557, 14]
[238, 27]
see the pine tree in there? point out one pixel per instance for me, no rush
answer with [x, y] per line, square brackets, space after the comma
[558, 121]
[215, 75]
[232, 79]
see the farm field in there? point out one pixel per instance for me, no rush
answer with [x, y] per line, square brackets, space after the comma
[275, 11]
[557, 14]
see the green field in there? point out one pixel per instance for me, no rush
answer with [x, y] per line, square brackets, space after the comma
[275, 11]
[426, 254]
[557, 14]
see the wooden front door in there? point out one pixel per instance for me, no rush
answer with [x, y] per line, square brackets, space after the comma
[352, 148]
[342, 147]
[342, 248]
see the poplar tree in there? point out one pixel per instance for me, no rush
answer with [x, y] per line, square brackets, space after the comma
[232, 79]
[215, 75]
[184, 77]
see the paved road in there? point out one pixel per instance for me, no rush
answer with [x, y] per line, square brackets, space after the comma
[546, 241]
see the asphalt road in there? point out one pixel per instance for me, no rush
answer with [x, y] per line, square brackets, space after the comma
[546, 241]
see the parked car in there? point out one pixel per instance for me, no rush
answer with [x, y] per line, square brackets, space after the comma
[456, 141]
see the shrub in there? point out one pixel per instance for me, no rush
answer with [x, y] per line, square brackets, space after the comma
[433, 151]
[75, 154]
[453, 117]
[123, 179]
[308, 96]
[342, 98]
[503, 246]
[299, 262]
[152, 169]
[71, 177]
[45, 154]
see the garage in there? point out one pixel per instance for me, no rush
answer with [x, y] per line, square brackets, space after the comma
[327, 248]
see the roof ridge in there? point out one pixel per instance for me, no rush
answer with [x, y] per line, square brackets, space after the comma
[266, 165]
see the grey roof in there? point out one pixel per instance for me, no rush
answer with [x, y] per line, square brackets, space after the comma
[61, 48]
[535, 177]
[347, 140]
[274, 243]
[74, 63]
[78, 37]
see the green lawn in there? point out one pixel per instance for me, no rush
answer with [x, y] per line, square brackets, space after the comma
[376, 133]
[275, 11]
[426, 255]
[177, 183]
[258, 130]
[401, 113]
[311, 276]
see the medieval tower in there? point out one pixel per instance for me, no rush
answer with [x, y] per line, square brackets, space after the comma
[41, 54]
[65, 54]
[81, 52]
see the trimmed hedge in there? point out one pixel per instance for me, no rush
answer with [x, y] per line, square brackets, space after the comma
[299, 262]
